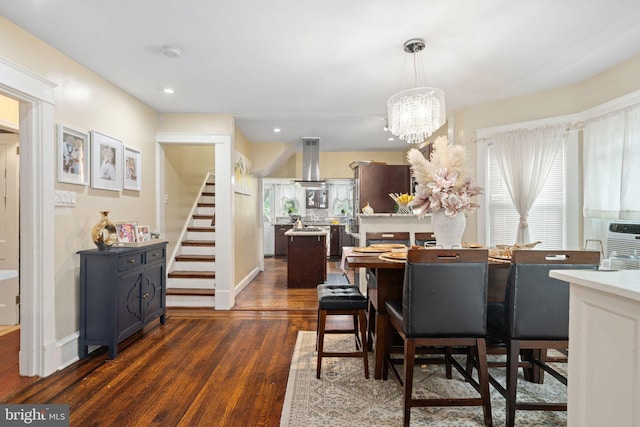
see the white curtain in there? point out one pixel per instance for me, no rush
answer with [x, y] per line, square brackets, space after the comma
[525, 158]
[611, 158]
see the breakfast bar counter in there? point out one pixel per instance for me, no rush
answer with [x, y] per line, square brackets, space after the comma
[604, 347]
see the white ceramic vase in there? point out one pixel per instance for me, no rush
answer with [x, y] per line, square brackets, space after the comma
[448, 230]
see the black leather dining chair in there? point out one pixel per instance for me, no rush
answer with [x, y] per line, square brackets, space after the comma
[443, 306]
[534, 317]
[420, 238]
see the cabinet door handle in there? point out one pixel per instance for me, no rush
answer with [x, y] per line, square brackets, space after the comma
[132, 261]
[145, 295]
[155, 254]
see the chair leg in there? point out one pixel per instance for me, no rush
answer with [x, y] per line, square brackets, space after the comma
[322, 318]
[483, 379]
[513, 354]
[409, 360]
[363, 347]
[447, 362]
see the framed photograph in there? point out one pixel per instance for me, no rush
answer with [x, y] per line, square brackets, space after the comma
[144, 233]
[132, 170]
[106, 162]
[127, 232]
[73, 156]
[242, 174]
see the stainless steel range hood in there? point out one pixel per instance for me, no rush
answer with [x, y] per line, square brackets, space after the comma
[311, 164]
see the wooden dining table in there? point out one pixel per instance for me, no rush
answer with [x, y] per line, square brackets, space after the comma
[384, 283]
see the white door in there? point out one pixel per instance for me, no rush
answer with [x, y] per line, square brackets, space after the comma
[9, 246]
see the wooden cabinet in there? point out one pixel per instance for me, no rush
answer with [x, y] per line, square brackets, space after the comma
[373, 183]
[335, 246]
[346, 239]
[280, 240]
[122, 289]
[307, 260]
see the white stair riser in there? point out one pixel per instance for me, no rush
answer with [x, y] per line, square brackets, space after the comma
[207, 199]
[201, 235]
[202, 222]
[205, 210]
[210, 188]
[198, 250]
[194, 266]
[182, 283]
[190, 301]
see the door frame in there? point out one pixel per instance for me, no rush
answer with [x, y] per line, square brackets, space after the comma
[39, 355]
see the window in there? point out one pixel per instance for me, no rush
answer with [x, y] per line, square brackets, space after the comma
[546, 218]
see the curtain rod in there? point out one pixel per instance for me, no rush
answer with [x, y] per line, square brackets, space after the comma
[573, 127]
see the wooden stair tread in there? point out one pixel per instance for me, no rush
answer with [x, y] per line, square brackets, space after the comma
[208, 193]
[202, 229]
[206, 205]
[192, 275]
[200, 216]
[198, 242]
[205, 258]
[191, 291]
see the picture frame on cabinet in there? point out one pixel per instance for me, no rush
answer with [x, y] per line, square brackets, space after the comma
[73, 156]
[127, 232]
[144, 233]
[106, 162]
[132, 176]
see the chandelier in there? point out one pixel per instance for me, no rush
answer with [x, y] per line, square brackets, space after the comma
[414, 114]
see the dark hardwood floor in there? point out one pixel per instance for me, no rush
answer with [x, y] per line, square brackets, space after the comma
[202, 368]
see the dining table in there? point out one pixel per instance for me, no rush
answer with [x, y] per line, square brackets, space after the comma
[385, 278]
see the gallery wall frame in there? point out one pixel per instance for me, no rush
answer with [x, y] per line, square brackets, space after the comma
[106, 162]
[243, 173]
[132, 169]
[72, 155]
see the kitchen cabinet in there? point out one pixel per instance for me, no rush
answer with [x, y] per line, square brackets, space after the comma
[122, 289]
[280, 240]
[335, 246]
[346, 239]
[374, 183]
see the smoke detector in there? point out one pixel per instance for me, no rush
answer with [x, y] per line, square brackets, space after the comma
[171, 51]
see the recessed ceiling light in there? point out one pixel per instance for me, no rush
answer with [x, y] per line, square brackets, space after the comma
[276, 130]
[169, 90]
[390, 139]
[171, 51]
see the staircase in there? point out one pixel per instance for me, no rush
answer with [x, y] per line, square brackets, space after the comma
[191, 278]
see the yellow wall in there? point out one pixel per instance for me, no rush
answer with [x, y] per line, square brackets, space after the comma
[85, 101]
[610, 84]
[9, 113]
[246, 252]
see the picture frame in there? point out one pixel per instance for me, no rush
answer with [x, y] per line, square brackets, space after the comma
[144, 233]
[132, 169]
[242, 174]
[106, 162]
[73, 156]
[127, 232]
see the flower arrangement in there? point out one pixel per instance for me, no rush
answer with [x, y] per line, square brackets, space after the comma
[442, 181]
[402, 202]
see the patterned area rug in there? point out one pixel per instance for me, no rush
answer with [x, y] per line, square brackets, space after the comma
[343, 397]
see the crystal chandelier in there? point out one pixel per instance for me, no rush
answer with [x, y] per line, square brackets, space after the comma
[414, 114]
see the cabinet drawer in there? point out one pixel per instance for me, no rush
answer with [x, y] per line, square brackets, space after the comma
[130, 260]
[155, 254]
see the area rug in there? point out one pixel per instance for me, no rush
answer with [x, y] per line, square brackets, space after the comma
[343, 397]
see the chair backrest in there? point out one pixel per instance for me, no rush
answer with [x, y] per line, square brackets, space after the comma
[536, 305]
[445, 293]
[421, 238]
[389, 237]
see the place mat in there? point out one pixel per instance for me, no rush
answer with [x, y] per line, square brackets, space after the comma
[473, 245]
[499, 254]
[500, 260]
[393, 256]
[370, 250]
[388, 245]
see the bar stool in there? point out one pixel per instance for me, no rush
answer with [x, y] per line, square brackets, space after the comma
[342, 300]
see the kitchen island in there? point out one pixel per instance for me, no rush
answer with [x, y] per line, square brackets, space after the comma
[604, 347]
[306, 257]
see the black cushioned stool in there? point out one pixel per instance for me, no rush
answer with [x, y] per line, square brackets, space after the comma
[341, 300]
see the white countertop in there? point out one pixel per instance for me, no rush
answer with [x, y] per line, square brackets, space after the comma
[624, 283]
[294, 232]
[8, 274]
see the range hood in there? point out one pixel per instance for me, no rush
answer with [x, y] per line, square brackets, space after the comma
[311, 164]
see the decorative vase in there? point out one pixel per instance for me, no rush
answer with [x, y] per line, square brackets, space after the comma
[448, 230]
[403, 208]
[104, 232]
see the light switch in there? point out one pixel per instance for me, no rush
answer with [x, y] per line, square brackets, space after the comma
[65, 198]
